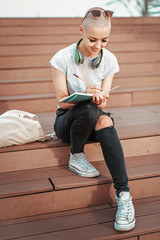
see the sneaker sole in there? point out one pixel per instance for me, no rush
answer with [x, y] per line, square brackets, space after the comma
[124, 228]
[84, 174]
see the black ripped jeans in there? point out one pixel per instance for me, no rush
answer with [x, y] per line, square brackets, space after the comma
[77, 125]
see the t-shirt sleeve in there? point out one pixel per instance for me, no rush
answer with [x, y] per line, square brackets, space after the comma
[113, 66]
[59, 62]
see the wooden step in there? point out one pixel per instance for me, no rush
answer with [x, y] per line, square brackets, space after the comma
[29, 103]
[11, 62]
[67, 29]
[28, 87]
[39, 155]
[139, 48]
[87, 223]
[142, 68]
[38, 86]
[50, 39]
[5, 22]
[72, 21]
[47, 102]
[138, 129]
[25, 188]
[18, 198]
[38, 49]
[139, 81]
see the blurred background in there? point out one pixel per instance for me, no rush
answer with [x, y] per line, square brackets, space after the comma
[77, 8]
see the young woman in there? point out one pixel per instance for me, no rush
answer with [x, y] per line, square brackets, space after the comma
[77, 123]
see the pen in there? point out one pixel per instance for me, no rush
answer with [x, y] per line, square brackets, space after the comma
[86, 82]
[93, 84]
[112, 89]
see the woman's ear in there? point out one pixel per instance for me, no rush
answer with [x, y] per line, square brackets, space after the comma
[81, 29]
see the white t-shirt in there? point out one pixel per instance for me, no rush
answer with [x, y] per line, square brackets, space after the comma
[64, 61]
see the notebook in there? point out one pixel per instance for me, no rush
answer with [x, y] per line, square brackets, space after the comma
[77, 97]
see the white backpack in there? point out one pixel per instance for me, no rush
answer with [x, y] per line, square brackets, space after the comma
[19, 127]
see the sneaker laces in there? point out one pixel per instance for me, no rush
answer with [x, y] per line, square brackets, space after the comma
[82, 161]
[124, 209]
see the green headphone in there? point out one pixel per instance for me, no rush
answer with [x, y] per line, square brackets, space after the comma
[79, 57]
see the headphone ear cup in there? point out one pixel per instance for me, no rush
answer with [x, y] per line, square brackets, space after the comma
[81, 57]
[95, 63]
[77, 57]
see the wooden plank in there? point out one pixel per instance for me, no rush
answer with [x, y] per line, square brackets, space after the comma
[31, 49]
[34, 174]
[135, 56]
[153, 236]
[45, 73]
[119, 100]
[67, 29]
[144, 188]
[132, 238]
[30, 105]
[77, 211]
[146, 97]
[50, 39]
[38, 30]
[148, 164]
[29, 205]
[30, 73]
[116, 92]
[14, 158]
[53, 156]
[124, 120]
[34, 204]
[74, 219]
[54, 215]
[102, 231]
[46, 102]
[27, 88]
[25, 61]
[132, 81]
[11, 62]
[136, 28]
[25, 187]
[141, 146]
[139, 67]
[133, 46]
[39, 49]
[47, 39]
[138, 189]
[39, 21]
[139, 81]
[57, 224]
[73, 20]
[136, 169]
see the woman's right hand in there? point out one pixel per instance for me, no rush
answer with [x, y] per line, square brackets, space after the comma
[93, 89]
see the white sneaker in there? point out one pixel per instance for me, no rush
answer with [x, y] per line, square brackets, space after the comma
[125, 216]
[79, 164]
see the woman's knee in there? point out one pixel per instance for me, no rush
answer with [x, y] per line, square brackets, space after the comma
[103, 122]
[90, 110]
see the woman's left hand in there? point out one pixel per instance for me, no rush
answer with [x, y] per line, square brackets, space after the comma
[99, 97]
